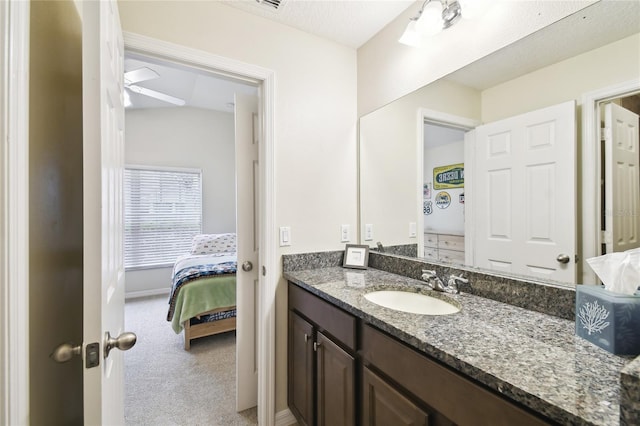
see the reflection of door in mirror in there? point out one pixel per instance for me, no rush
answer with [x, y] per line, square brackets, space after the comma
[443, 192]
[620, 184]
[523, 197]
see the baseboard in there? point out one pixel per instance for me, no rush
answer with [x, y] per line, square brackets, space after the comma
[146, 293]
[285, 418]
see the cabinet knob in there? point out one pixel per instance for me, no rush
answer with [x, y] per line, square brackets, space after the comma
[316, 345]
[306, 337]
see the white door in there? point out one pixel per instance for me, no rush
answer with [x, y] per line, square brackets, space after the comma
[622, 192]
[524, 194]
[103, 160]
[247, 192]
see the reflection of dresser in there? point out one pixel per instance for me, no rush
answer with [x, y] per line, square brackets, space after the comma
[444, 248]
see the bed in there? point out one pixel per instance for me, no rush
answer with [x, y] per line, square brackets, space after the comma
[202, 301]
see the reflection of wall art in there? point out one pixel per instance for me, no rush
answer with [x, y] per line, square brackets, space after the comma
[427, 207]
[427, 191]
[443, 199]
[447, 177]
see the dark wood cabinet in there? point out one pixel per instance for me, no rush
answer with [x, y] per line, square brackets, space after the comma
[321, 367]
[383, 405]
[335, 384]
[301, 373]
[344, 371]
[451, 397]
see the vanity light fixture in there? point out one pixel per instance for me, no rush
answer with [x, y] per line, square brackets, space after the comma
[427, 21]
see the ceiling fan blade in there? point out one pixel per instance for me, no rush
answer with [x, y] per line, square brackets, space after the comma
[157, 95]
[141, 74]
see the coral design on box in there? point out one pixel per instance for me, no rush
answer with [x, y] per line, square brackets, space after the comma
[592, 317]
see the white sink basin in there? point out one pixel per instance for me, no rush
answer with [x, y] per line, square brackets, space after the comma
[414, 303]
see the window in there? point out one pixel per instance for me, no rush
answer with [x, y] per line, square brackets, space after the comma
[162, 213]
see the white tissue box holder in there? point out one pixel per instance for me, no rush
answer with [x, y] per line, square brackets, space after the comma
[609, 320]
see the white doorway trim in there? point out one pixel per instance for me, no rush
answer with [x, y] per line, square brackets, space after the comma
[268, 280]
[591, 173]
[436, 117]
[14, 213]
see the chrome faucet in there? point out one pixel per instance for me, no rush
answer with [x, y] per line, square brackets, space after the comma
[432, 280]
[453, 282]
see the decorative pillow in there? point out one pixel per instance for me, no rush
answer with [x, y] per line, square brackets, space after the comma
[213, 243]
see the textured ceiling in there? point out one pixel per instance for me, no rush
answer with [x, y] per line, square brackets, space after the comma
[592, 27]
[348, 22]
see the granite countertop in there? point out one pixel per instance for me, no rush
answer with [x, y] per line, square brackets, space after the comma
[530, 357]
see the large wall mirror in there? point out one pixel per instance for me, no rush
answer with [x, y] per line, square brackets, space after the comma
[423, 180]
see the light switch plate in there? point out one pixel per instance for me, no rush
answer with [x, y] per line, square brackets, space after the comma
[345, 233]
[412, 229]
[368, 232]
[285, 236]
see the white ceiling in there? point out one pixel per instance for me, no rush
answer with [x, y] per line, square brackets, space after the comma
[200, 89]
[597, 25]
[348, 22]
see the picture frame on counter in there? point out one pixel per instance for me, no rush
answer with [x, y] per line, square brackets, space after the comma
[356, 256]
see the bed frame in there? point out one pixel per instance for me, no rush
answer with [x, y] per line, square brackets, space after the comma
[207, 328]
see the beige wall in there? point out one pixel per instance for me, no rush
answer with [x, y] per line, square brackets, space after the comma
[388, 157]
[388, 70]
[55, 206]
[190, 138]
[566, 80]
[315, 128]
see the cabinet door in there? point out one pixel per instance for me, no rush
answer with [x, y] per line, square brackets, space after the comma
[336, 384]
[383, 405]
[300, 379]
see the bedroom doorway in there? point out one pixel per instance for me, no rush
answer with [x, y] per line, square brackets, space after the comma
[188, 105]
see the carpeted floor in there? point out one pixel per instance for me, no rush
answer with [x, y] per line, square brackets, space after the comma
[166, 385]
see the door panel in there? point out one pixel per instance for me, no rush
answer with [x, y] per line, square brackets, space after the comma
[247, 191]
[103, 162]
[300, 390]
[622, 192]
[384, 405]
[525, 167]
[335, 384]
[55, 214]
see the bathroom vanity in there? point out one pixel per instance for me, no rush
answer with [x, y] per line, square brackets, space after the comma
[351, 361]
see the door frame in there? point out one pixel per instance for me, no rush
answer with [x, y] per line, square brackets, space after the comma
[268, 281]
[591, 173]
[14, 212]
[463, 123]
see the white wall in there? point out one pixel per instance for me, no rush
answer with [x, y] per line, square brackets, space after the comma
[388, 70]
[569, 79]
[451, 219]
[388, 157]
[315, 119]
[190, 138]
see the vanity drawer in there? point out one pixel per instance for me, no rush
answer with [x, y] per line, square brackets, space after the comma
[431, 253]
[430, 240]
[333, 320]
[451, 242]
[451, 256]
[457, 398]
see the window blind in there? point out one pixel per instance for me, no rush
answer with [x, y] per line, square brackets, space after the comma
[162, 213]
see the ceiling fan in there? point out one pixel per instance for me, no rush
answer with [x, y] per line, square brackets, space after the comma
[143, 74]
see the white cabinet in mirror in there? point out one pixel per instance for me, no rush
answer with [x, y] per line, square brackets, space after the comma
[511, 196]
